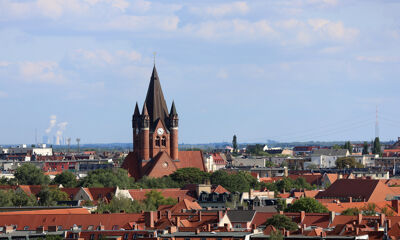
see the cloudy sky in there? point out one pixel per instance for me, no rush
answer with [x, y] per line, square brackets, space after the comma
[288, 70]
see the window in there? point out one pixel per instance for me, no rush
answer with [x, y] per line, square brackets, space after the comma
[164, 141]
[90, 227]
[219, 238]
[26, 228]
[91, 236]
[115, 227]
[187, 238]
[126, 236]
[237, 225]
[157, 141]
[59, 228]
[99, 236]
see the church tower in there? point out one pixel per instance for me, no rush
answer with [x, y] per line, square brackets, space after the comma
[155, 130]
[155, 138]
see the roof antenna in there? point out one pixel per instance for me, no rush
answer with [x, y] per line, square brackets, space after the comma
[154, 58]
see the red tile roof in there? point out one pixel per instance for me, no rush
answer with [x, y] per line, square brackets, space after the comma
[175, 193]
[51, 211]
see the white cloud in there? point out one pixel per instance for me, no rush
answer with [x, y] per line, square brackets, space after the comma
[235, 30]
[43, 71]
[333, 30]
[220, 10]
[131, 55]
[4, 64]
[52, 123]
[101, 57]
[331, 50]
[142, 23]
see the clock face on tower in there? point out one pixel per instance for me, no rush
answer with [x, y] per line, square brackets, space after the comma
[160, 131]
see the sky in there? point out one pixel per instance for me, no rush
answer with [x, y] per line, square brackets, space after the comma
[287, 70]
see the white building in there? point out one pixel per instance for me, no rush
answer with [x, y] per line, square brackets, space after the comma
[326, 158]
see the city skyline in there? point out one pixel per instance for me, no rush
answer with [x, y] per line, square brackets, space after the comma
[282, 70]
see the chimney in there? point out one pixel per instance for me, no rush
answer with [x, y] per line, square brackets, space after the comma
[149, 219]
[359, 218]
[357, 231]
[208, 227]
[389, 224]
[377, 226]
[177, 220]
[168, 214]
[332, 216]
[220, 215]
[382, 219]
[302, 216]
[197, 230]
[179, 199]
[395, 205]
[199, 215]
[350, 199]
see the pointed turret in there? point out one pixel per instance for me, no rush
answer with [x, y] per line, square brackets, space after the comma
[173, 110]
[136, 117]
[157, 107]
[145, 117]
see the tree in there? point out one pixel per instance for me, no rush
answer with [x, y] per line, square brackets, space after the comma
[50, 196]
[337, 147]
[29, 174]
[149, 182]
[348, 162]
[376, 146]
[351, 211]
[12, 198]
[365, 148]
[234, 143]
[309, 205]
[66, 178]
[185, 176]
[276, 235]
[369, 210]
[154, 199]
[107, 178]
[347, 145]
[120, 204]
[235, 182]
[280, 221]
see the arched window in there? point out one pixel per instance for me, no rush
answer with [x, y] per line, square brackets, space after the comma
[164, 141]
[157, 141]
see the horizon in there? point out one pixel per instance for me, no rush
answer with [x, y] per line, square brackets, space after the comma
[289, 71]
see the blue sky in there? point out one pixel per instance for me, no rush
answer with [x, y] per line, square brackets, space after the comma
[288, 70]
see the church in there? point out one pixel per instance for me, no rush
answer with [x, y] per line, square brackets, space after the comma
[155, 138]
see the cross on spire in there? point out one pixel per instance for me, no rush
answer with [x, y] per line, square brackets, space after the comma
[154, 57]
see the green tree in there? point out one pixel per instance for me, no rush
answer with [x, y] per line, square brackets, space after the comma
[234, 143]
[286, 184]
[365, 148]
[66, 178]
[348, 162]
[16, 198]
[235, 182]
[309, 205]
[107, 178]
[347, 145]
[351, 211]
[154, 199]
[49, 196]
[276, 235]
[369, 210]
[280, 221]
[376, 146]
[185, 176]
[121, 204]
[336, 146]
[149, 182]
[29, 174]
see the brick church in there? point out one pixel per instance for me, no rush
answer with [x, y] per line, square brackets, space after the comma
[155, 138]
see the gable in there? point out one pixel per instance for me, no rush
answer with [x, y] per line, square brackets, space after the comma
[162, 165]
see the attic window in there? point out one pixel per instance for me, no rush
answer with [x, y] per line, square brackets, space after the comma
[59, 228]
[90, 227]
[126, 236]
[26, 228]
[115, 227]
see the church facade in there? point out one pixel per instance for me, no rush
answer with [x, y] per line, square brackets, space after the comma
[155, 138]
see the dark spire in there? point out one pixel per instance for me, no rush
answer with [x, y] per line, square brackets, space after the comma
[173, 110]
[144, 111]
[155, 100]
[136, 112]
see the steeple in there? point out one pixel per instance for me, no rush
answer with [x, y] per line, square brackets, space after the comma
[145, 117]
[136, 117]
[173, 110]
[157, 108]
[144, 110]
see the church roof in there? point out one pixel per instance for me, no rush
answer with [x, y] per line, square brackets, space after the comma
[155, 101]
[173, 109]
